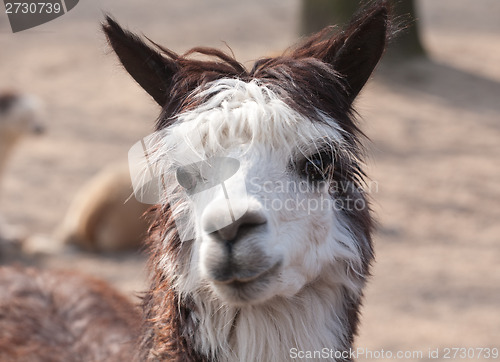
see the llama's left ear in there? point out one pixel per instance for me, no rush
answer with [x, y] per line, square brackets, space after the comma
[152, 71]
[364, 42]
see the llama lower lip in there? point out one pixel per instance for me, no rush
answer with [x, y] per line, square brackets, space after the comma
[240, 282]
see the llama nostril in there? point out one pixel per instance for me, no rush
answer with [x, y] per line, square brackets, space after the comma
[237, 229]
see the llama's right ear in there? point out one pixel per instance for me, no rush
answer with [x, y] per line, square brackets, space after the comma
[152, 71]
[364, 42]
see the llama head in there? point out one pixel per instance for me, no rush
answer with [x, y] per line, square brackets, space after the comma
[19, 115]
[294, 212]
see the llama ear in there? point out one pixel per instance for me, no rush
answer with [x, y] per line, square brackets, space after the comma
[364, 42]
[152, 71]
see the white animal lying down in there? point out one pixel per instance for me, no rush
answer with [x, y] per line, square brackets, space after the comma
[19, 116]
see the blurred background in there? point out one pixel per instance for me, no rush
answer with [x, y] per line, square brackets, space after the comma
[432, 113]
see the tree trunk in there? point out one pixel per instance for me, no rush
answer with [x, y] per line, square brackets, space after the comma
[316, 14]
[407, 42]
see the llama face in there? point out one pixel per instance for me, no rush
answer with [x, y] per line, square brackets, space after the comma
[288, 223]
[287, 122]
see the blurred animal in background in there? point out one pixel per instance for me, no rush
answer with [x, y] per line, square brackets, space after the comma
[104, 216]
[94, 324]
[20, 115]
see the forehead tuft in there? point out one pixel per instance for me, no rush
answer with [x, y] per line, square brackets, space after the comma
[231, 113]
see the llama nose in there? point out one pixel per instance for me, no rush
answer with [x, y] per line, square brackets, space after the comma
[238, 228]
[244, 224]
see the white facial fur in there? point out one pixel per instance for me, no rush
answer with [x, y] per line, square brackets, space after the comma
[301, 234]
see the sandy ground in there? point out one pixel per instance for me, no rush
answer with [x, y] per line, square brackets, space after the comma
[435, 143]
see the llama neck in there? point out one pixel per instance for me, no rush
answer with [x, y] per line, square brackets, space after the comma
[315, 319]
[322, 316]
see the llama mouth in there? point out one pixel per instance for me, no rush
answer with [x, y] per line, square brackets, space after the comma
[244, 291]
[240, 282]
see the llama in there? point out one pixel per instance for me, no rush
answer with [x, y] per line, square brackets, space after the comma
[63, 316]
[273, 281]
[103, 217]
[19, 115]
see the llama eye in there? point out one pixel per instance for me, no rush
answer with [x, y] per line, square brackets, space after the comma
[316, 168]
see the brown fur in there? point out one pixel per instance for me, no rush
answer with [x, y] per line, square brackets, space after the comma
[63, 316]
[165, 319]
